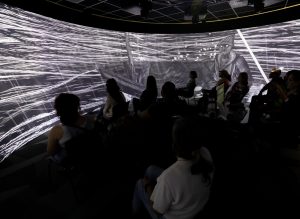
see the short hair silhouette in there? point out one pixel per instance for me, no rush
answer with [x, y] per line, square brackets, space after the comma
[67, 107]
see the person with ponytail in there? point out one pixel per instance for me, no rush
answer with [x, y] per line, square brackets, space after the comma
[182, 190]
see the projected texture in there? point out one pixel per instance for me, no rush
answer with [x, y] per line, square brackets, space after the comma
[42, 57]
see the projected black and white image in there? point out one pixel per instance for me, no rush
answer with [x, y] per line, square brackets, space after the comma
[42, 57]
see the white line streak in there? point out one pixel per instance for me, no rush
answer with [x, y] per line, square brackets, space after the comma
[253, 56]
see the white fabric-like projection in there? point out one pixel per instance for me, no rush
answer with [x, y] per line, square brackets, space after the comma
[42, 57]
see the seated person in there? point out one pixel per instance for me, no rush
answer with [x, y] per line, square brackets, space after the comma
[224, 79]
[149, 95]
[188, 90]
[216, 95]
[114, 97]
[290, 116]
[273, 100]
[183, 189]
[72, 124]
[272, 86]
[167, 106]
[235, 95]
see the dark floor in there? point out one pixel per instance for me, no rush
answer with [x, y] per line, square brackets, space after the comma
[29, 190]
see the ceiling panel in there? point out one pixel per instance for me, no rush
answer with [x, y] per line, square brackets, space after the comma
[159, 11]
[89, 3]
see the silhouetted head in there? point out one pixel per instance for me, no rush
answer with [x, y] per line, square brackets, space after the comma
[151, 83]
[189, 136]
[67, 108]
[168, 90]
[112, 86]
[193, 74]
[275, 73]
[293, 80]
[114, 90]
[224, 74]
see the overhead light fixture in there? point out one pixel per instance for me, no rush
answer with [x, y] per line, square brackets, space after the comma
[138, 7]
[135, 10]
[75, 1]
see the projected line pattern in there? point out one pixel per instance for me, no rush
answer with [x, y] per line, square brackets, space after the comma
[42, 57]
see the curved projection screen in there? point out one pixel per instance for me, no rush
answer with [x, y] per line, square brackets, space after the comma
[42, 57]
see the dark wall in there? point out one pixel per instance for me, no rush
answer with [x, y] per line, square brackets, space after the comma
[85, 18]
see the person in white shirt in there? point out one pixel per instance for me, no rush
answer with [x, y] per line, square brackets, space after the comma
[183, 189]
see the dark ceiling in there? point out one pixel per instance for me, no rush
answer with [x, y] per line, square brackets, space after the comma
[165, 15]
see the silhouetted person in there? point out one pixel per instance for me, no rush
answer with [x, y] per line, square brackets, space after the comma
[225, 79]
[290, 115]
[183, 189]
[273, 100]
[216, 95]
[114, 97]
[169, 105]
[149, 95]
[188, 90]
[72, 124]
[234, 97]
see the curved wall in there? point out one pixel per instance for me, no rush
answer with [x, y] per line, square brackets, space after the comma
[42, 57]
[70, 13]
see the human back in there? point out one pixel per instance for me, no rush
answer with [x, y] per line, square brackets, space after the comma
[183, 189]
[149, 95]
[189, 194]
[80, 143]
[73, 124]
[114, 97]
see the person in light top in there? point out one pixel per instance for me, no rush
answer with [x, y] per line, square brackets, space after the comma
[182, 190]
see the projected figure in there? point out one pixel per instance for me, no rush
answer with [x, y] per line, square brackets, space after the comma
[229, 60]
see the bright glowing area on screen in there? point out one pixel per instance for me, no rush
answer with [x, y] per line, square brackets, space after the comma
[42, 57]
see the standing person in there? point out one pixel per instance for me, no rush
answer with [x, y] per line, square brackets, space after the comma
[188, 90]
[229, 60]
[183, 189]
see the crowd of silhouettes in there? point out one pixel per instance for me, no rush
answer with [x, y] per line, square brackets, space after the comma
[163, 150]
